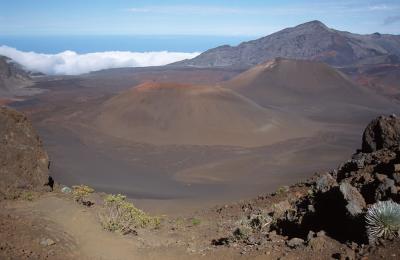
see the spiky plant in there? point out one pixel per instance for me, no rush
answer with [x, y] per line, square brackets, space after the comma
[383, 220]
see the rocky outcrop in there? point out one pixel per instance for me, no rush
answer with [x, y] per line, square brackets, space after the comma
[23, 162]
[333, 203]
[383, 132]
[338, 200]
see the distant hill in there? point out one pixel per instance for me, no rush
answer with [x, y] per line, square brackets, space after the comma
[13, 78]
[382, 78]
[312, 89]
[171, 113]
[310, 41]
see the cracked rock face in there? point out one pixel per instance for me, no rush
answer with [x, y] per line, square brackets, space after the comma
[383, 132]
[24, 163]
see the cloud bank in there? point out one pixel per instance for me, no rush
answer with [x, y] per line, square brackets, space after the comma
[391, 20]
[72, 63]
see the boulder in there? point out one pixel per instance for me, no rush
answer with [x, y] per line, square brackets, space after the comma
[354, 199]
[47, 242]
[383, 132]
[23, 162]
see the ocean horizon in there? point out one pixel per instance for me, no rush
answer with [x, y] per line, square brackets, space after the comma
[133, 43]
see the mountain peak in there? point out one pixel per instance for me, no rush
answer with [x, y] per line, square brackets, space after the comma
[313, 24]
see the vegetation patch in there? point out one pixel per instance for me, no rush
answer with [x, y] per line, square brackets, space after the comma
[196, 221]
[122, 216]
[27, 195]
[81, 194]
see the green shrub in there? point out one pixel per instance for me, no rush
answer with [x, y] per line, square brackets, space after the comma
[122, 216]
[242, 232]
[383, 220]
[27, 195]
[81, 192]
[281, 190]
[195, 221]
[254, 223]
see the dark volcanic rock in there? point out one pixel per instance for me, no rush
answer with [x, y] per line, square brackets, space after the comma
[23, 162]
[383, 132]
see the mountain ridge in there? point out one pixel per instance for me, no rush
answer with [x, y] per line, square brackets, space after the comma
[310, 41]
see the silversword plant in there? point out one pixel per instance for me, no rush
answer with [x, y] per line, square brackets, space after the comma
[383, 220]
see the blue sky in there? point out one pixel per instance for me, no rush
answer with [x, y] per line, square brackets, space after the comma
[205, 17]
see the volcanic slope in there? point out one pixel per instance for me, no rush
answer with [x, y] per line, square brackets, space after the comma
[311, 89]
[170, 113]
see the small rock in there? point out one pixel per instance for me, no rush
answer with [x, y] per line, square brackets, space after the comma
[47, 242]
[295, 242]
[310, 235]
[321, 233]
[221, 241]
[325, 182]
[66, 190]
[397, 167]
[252, 241]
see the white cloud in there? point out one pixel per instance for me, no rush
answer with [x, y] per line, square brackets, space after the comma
[378, 7]
[72, 63]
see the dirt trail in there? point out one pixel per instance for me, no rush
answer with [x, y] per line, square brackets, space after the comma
[81, 225]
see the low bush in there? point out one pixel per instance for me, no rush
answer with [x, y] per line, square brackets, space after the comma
[27, 195]
[255, 223]
[81, 193]
[195, 221]
[122, 216]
